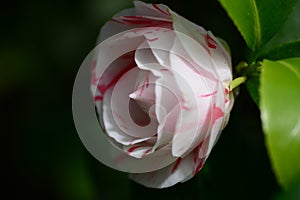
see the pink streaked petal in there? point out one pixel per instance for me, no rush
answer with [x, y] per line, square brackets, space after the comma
[112, 128]
[167, 96]
[177, 172]
[211, 43]
[218, 113]
[214, 134]
[228, 108]
[194, 121]
[143, 21]
[217, 117]
[121, 160]
[187, 27]
[199, 166]
[166, 92]
[190, 29]
[137, 151]
[109, 64]
[157, 16]
[129, 22]
[196, 55]
[167, 127]
[157, 10]
[189, 136]
[161, 8]
[144, 91]
[176, 164]
[221, 60]
[120, 103]
[114, 76]
[159, 41]
[104, 80]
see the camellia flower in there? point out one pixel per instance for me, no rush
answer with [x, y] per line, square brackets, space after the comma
[164, 100]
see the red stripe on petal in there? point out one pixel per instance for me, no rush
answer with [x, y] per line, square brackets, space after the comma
[142, 90]
[147, 81]
[145, 22]
[98, 98]
[103, 88]
[133, 17]
[210, 42]
[208, 95]
[117, 21]
[218, 113]
[139, 21]
[178, 161]
[196, 152]
[136, 87]
[159, 9]
[199, 166]
[152, 40]
[166, 70]
[94, 79]
[227, 91]
[183, 104]
[131, 149]
[146, 152]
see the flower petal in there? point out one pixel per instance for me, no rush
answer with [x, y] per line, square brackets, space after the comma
[194, 123]
[178, 171]
[143, 15]
[113, 129]
[120, 104]
[221, 60]
[156, 10]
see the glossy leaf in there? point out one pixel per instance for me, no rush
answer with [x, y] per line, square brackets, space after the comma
[280, 112]
[258, 20]
[286, 43]
[252, 86]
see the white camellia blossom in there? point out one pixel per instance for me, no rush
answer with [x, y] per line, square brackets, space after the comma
[160, 84]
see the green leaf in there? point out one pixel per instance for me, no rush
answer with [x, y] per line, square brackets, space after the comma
[280, 113]
[252, 86]
[286, 43]
[258, 20]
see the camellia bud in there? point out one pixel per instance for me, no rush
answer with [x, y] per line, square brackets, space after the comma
[160, 84]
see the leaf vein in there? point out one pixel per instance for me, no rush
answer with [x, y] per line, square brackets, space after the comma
[291, 68]
[257, 24]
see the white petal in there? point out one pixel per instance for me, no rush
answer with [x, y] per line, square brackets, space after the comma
[177, 172]
[193, 123]
[112, 128]
[156, 10]
[221, 60]
[153, 15]
[153, 53]
[197, 55]
[217, 116]
[167, 128]
[120, 104]
[210, 45]
[138, 151]
[121, 160]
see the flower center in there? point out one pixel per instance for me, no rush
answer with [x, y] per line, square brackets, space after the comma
[137, 114]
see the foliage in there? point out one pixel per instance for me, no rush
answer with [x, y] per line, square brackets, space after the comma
[277, 87]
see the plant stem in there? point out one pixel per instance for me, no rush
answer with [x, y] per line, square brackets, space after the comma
[236, 82]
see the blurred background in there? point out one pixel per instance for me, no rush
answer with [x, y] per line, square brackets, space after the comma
[42, 45]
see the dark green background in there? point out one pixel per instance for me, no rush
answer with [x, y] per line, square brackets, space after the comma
[42, 46]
